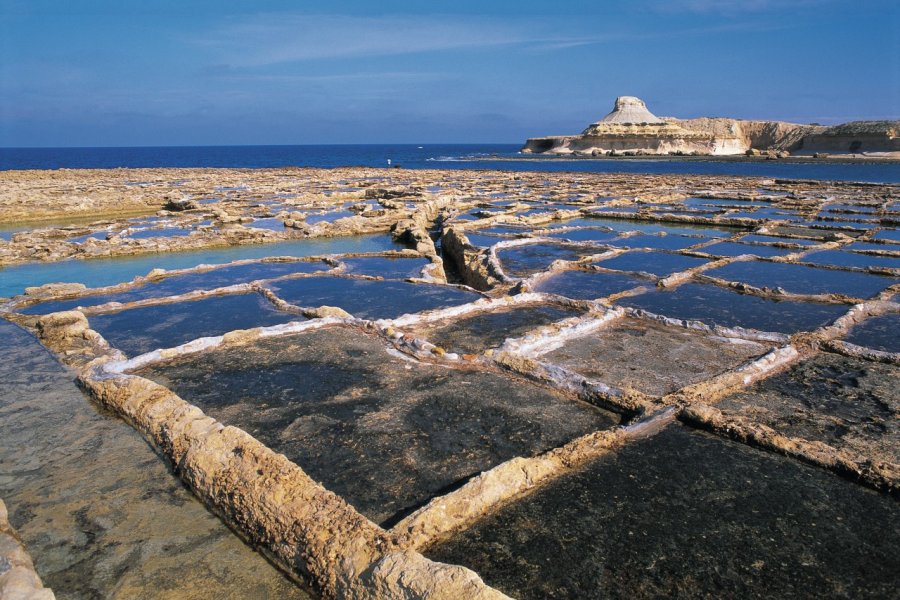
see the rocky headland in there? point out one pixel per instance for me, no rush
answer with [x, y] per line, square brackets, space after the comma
[631, 129]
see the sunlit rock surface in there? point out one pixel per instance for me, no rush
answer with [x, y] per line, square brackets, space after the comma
[440, 384]
[631, 129]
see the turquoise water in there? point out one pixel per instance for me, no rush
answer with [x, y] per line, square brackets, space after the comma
[101, 272]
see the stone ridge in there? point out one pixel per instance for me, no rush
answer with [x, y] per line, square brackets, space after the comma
[631, 129]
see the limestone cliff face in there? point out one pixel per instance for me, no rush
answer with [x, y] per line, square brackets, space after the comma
[632, 129]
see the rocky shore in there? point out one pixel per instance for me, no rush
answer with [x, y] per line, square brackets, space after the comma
[632, 130]
[469, 401]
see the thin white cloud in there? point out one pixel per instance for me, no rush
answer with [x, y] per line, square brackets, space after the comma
[279, 38]
[730, 7]
[334, 78]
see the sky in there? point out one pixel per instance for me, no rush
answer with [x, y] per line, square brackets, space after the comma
[166, 72]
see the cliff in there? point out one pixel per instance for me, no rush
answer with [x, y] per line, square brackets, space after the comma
[632, 129]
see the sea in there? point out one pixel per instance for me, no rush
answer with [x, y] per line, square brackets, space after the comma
[437, 156]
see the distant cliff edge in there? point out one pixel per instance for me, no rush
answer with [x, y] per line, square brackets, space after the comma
[631, 129]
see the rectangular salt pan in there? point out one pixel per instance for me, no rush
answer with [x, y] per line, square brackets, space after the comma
[714, 305]
[801, 279]
[383, 432]
[141, 330]
[689, 515]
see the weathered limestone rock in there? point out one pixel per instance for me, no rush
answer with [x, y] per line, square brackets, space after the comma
[474, 266]
[181, 204]
[308, 530]
[630, 127]
[629, 109]
[632, 130]
[407, 575]
[62, 325]
[18, 580]
[55, 289]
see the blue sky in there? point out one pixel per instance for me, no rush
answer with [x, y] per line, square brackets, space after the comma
[101, 73]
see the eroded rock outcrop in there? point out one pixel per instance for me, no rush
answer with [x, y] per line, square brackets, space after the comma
[632, 129]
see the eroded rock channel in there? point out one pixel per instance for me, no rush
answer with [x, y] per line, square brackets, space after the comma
[450, 384]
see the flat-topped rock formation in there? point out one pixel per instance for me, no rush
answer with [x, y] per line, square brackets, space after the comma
[631, 129]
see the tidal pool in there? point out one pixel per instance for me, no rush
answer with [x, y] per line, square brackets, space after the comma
[587, 235]
[840, 258]
[659, 242]
[879, 333]
[522, 261]
[772, 239]
[736, 249]
[387, 267]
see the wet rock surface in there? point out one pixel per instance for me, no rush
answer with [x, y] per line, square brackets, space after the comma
[688, 515]
[139, 330]
[475, 334]
[377, 369]
[384, 433]
[878, 333]
[652, 358]
[851, 404]
[717, 306]
[99, 511]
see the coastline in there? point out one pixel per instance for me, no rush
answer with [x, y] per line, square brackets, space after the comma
[848, 159]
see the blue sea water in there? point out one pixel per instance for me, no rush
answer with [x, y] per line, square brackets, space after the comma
[431, 156]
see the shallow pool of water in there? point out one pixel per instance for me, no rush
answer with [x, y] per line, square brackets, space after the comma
[840, 258]
[141, 330]
[182, 284]
[101, 272]
[659, 242]
[802, 279]
[522, 261]
[370, 299]
[879, 333]
[588, 285]
[736, 249]
[718, 306]
[661, 264]
[586, 235]
[389, 268]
